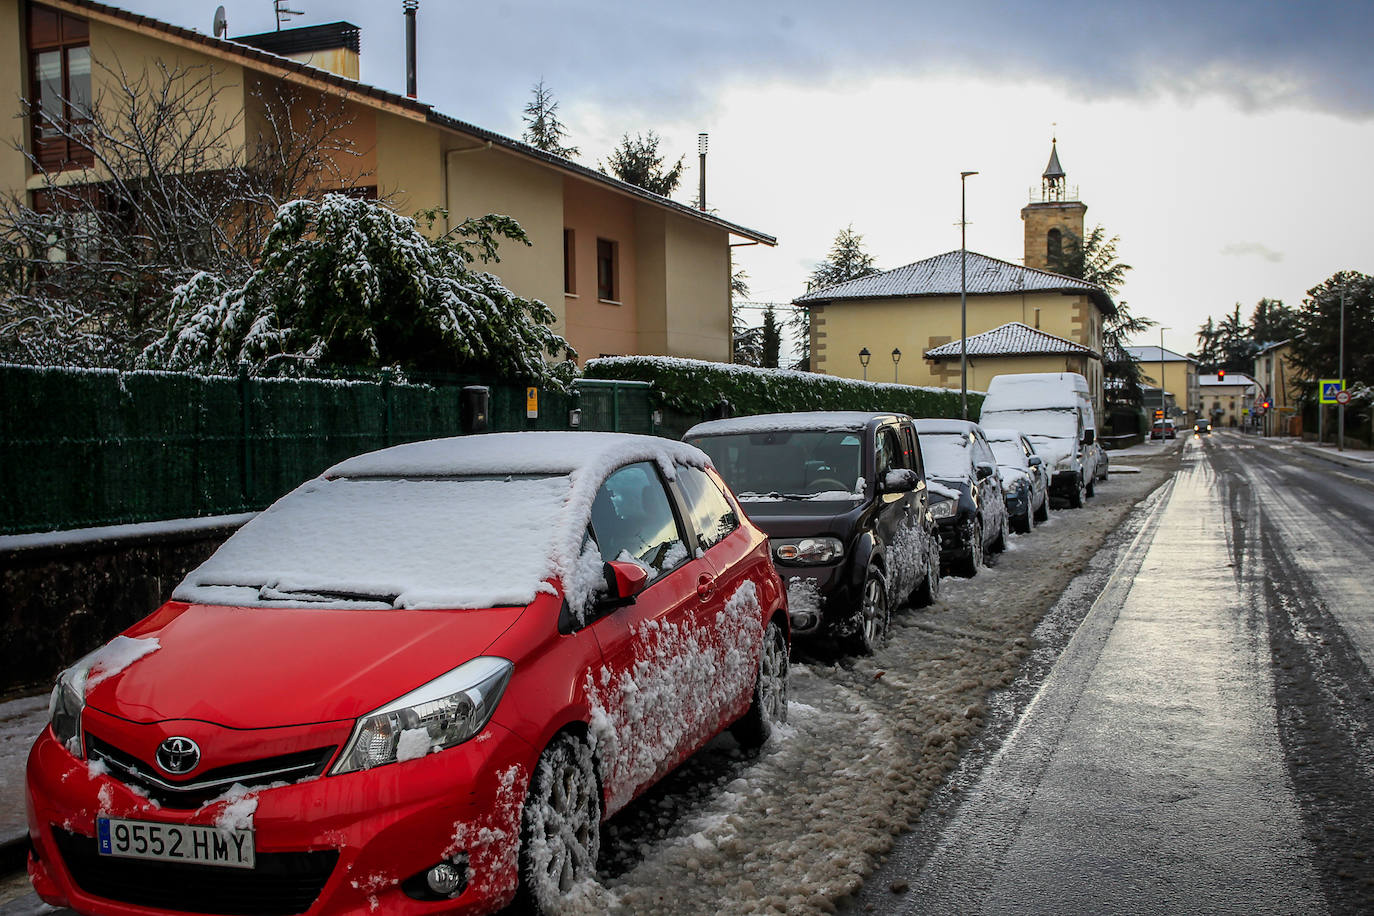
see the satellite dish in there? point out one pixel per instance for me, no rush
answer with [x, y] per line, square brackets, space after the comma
[221, 23]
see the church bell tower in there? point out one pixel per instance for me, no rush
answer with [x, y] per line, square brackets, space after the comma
[1054, 215]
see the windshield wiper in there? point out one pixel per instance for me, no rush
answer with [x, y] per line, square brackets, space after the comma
[268, 593]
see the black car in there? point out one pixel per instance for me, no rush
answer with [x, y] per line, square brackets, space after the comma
[966, 493]
[842, 496]
[1202, 427]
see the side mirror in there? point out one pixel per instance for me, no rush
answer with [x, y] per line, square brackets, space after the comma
[900, 480]
[1089, 435]
[984, 470]
[623, 582]
[1035, 461]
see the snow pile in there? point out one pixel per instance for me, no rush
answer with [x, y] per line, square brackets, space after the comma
[683, 678]
[107, 661]
[238, 813]
[803, 597]
[784, 422]
[425, 525]
[492, 843]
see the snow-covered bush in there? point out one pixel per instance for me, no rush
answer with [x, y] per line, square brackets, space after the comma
[343, 282]
[695, 387]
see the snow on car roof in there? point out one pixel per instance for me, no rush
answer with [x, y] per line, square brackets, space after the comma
[1000, 434]
[945, 427]
[770, 422]
[471, 522]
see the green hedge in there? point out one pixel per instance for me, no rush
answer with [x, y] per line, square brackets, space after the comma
[694, 387]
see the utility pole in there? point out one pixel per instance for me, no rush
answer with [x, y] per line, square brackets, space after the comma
[1340, 408]
[963, 297]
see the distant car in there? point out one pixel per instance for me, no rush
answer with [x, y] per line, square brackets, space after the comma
[1202, 427]
[415, 684]
[1163, 429]
[1025, 486]
[966, 493]
[842, 495]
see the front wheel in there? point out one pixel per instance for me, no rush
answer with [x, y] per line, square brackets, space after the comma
[1022, 523]
[1076, 497]
[871, 619]
[769, 707]
[929, 591]
[1003, 533]
[968, 567]
[1042, 514]
[560, 827]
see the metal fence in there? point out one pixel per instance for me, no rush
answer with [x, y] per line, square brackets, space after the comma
[80, 448]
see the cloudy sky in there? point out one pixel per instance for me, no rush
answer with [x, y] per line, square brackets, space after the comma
[1229, 144]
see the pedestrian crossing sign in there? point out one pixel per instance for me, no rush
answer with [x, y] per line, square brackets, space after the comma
[1330, 387]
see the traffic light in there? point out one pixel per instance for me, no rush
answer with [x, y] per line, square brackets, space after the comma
[1221, 375]
[1266, 404]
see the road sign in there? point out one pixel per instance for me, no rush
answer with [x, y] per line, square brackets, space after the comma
[1342, 397]
[531, 403]
[1330, 387]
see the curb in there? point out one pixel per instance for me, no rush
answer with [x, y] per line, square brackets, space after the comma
[1334, 457]
[14, 853]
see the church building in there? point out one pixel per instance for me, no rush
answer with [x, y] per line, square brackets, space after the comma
[1020, 317]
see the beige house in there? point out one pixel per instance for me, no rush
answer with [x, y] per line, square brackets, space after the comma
[1180, 379]
[1228, 398]
[1012, 349]
[916, 309]
[625, 271]
[1280, 385]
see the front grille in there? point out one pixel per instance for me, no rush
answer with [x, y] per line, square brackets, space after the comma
[207, 786]
[280, 884]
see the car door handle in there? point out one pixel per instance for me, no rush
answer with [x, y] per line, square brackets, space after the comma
[706, 587]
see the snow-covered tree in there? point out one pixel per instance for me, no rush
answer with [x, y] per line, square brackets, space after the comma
[847, 260]
[637, 161]
[87, 269]
[344, 282]
[543, 129]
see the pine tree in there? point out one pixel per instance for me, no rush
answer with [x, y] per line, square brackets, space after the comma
[771, 338]
[1271, 322]
[638, 162]
[543, 130]
[1316, 341]
[847, 260]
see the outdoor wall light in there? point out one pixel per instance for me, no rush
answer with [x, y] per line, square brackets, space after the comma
[896, 358]
[864, 357]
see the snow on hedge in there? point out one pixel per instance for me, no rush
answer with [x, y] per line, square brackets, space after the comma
[426, 524]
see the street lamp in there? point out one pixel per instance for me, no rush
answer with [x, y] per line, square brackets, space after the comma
[963, 297]
[864, 357]
[1163, 408]
[896, 358]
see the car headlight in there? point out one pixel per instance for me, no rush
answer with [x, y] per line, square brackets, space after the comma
[64, 710]
[945, 508]
[808, 551]
[445, 712]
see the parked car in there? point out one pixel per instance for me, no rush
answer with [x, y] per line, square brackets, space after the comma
[1202, 427]
[1055, 411]
[1025, 486]
[415, 684]
[843, 498]
[1163, 429]
[966, 493]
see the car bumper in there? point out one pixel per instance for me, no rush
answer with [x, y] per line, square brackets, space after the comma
[817, 596]
[330, 845]
[955, 538]
[1064, 483]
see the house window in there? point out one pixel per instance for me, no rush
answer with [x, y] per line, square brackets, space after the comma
[570, 262]
[607, 270]
[60, 87]
[1054, 245]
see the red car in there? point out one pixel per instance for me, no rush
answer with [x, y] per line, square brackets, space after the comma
[416, 684]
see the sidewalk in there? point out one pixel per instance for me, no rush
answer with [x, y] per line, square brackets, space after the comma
[20, 722]
[1351, 458]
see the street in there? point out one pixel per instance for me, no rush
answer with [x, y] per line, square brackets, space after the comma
[1204, 741]
[1159, 703]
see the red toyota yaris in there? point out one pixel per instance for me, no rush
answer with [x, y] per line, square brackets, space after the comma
[416, 684]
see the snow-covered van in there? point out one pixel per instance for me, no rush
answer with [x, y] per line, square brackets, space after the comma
[1055, 411]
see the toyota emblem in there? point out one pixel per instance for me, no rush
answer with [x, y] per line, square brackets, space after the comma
[178, 755]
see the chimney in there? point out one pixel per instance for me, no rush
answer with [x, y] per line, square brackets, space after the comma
[333, 46]
[410, 6]
[701, 190]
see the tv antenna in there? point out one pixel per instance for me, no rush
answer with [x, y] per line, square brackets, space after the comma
[284, 14]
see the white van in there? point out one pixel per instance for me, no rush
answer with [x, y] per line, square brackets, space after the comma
[1054, 410]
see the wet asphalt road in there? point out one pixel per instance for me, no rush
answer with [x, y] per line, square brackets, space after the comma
[1205, 741]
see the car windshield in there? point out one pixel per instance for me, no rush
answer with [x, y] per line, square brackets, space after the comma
[807, 464]
[1008, 452]
[1052, 423]
[946, 455]
[463, 542]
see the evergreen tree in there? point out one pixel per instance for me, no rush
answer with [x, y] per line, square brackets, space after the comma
[1235, 347]
[543, 130]
[1316, 341]
[1208, 353]
[638, 161]
[348, 283]
[770, 338]
[1271, 322]
[1093, 259]
[847, 260]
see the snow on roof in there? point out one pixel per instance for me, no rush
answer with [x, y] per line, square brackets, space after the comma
[1012, 339]
[771, 422]
[945, 427]
[1035, 391]
[471, 522]
[940, 276]
[1151, 355]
